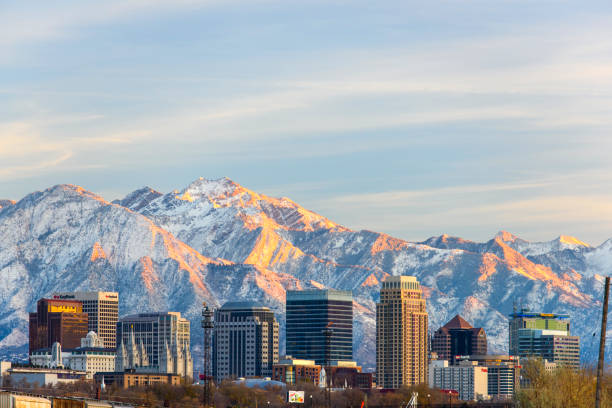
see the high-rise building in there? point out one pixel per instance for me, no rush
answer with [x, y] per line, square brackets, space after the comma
[545, 335]
[319, 325]
[102, 309]
[458, 338]
[467, 378]
[61, 321]
[401, 333]
[154, 342]
[245, 341]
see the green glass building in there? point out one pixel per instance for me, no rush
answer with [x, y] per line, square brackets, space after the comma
[545, 335]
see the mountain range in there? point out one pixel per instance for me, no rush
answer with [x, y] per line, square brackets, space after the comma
[216, 241]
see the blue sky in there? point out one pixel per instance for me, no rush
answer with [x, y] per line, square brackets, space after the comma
[411, 118]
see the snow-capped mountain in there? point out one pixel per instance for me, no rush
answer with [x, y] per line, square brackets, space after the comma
[216, 240]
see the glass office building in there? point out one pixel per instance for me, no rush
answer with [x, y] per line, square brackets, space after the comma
[309, 313]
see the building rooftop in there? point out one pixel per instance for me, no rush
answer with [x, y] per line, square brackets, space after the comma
[320, 294]
[525, 313]
[458, 322]
[243, 305]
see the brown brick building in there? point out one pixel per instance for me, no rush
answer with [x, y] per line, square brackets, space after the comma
[131, 378]
[292, 371]
[458, 338]
[55, 320]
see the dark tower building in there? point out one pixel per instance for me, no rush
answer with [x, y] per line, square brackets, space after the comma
[61, 321]
[309, 314]
[245, 341]
[459, 338]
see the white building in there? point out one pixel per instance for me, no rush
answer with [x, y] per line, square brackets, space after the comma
[4, 367]
[467, 378]
[45, 376]
[90, 357]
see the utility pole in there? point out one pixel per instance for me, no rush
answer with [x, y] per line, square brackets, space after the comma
[602, 343]
[207, 325]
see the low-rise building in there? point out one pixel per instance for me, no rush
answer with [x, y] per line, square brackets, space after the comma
[503, 374]
[344, 374]
[293, 370]
[13, 399]
[131, 378]
[45, 376]
[4, 367]
[467, 378]
[91, 357]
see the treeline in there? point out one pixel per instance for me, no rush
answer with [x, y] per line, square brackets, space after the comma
[561, 387]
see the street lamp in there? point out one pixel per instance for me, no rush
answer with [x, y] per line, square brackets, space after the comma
[310, 400]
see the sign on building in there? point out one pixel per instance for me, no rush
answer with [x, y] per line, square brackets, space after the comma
[296, 397]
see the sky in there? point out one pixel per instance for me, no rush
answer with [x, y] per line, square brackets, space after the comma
[414, 118]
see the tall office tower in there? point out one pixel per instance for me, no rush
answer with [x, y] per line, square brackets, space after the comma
[545, 335]
[245, 341]
[401, 333]
[154, 342]
[312, 316]
[458, 338]
[55, 320]
[102, 309]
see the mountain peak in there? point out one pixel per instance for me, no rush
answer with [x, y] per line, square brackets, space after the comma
[572, 241]
[6, 203]
[138, 199]
[506, 236]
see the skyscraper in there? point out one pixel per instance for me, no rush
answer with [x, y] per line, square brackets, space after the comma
[401, 333]
[309, 314]
[154, 342]
[458, 338]
[545, 335]
[245, 341]
[55, 320]
[102, 309]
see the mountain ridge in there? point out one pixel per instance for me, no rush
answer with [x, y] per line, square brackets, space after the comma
[215, 240]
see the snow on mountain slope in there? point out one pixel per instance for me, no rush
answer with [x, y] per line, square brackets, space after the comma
[220, 218]
[66, 238]
[217, 241]
[138, 199]
[6, 203]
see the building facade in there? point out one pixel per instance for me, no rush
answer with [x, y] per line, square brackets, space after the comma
[245, 341]
[292, 371]
[57, 321]
[102, 310]
[503, 374]
[154, 343]
[545, 335]
[467, 378]
[45, 376]
[309, 314]
[401, 333]
[91, 357]
[127, 379]
[458, 337]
